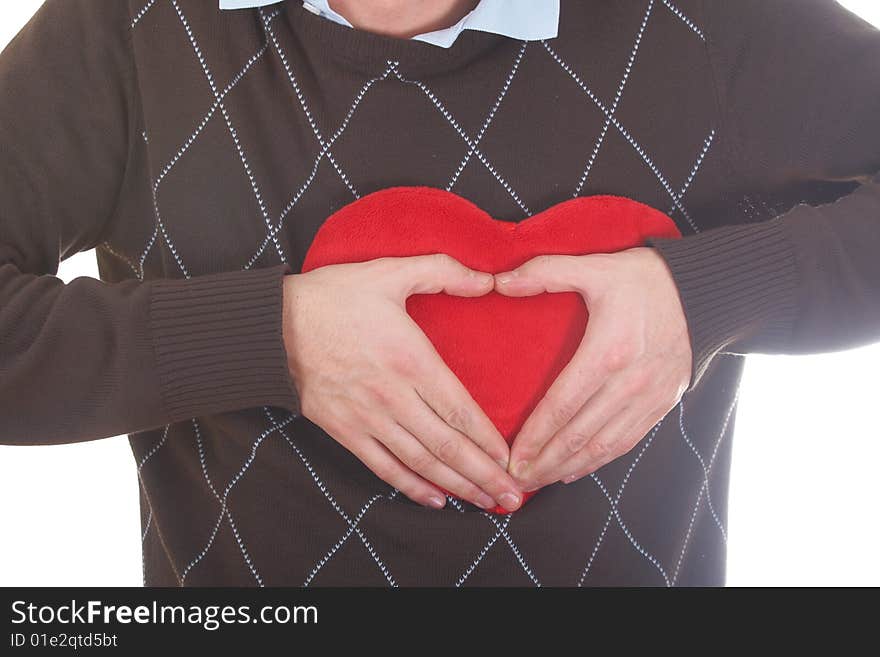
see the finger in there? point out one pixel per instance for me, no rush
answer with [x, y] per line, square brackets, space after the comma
[578, 381]
[389, 469]
[553, 461]
[614, 440]
[439, 272]
[417, 458]
[453, 448]
[545, 273]
[446, 394]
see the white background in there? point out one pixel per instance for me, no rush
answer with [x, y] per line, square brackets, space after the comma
[804, 491]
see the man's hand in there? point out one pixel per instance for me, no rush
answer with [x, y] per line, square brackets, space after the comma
[631, 368]
[367, 374]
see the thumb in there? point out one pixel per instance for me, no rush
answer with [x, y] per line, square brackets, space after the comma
[545, 273]
[439, 272]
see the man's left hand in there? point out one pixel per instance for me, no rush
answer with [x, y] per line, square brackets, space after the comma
[630, 369]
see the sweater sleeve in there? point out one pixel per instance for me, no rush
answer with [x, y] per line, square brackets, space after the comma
[798, 84]
[91, 359]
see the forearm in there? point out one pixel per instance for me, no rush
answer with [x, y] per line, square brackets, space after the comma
[806, 281]
[88, 359]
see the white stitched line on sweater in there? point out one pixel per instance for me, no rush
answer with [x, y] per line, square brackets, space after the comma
[149, 523]
[687, 21]
[470, 569]
[217, 100]
[492, 112]
[329, 496]
[461, 133]
[502, 531]
[690, 528]
[247, 464]
[122, 257]
[141, 13]
[147, 526]
[696, 452]
[342, 540]
[311, 177]
[620, 88]
[514, 549]
[189, 141]
[304, 105]
[647, 443]
[146, 531]
[647, 555]
[707, 144]
[255, 188]
[154, 449]
[204, 465]
[624, 132]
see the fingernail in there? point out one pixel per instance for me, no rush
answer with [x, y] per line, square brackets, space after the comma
[502, 462]
[519, 469]
[481, 276]
[509, 501]
[485, 502]
[437, 502]
[505, 277]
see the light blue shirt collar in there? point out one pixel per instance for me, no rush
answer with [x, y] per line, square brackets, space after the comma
[519, 19]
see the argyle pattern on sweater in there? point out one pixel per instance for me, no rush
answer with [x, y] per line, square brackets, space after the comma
[264, 496]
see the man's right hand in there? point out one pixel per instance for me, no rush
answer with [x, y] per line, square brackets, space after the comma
[369, 376]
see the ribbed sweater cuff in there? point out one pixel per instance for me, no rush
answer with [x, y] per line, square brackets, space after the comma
[218, 342]
[737, 285]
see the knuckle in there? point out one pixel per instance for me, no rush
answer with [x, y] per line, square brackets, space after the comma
[562, 409]
[420, 462]
[599, 450]
[403, 363]
[379, 395]
[459, 417]
[447, 449]
[442, 260]
[574, 441]
[616, 357]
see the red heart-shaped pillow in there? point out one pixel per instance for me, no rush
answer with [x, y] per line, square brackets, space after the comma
[506, 351]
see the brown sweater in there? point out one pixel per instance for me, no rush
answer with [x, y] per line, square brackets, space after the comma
[199, 150]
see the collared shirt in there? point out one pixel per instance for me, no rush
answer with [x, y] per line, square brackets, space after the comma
[519, 19]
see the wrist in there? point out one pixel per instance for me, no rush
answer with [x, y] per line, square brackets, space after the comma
[289, 290]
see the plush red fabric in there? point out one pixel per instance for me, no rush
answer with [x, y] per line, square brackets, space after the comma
[506, 351]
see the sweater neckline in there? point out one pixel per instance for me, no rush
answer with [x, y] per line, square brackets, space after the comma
[370, 52]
